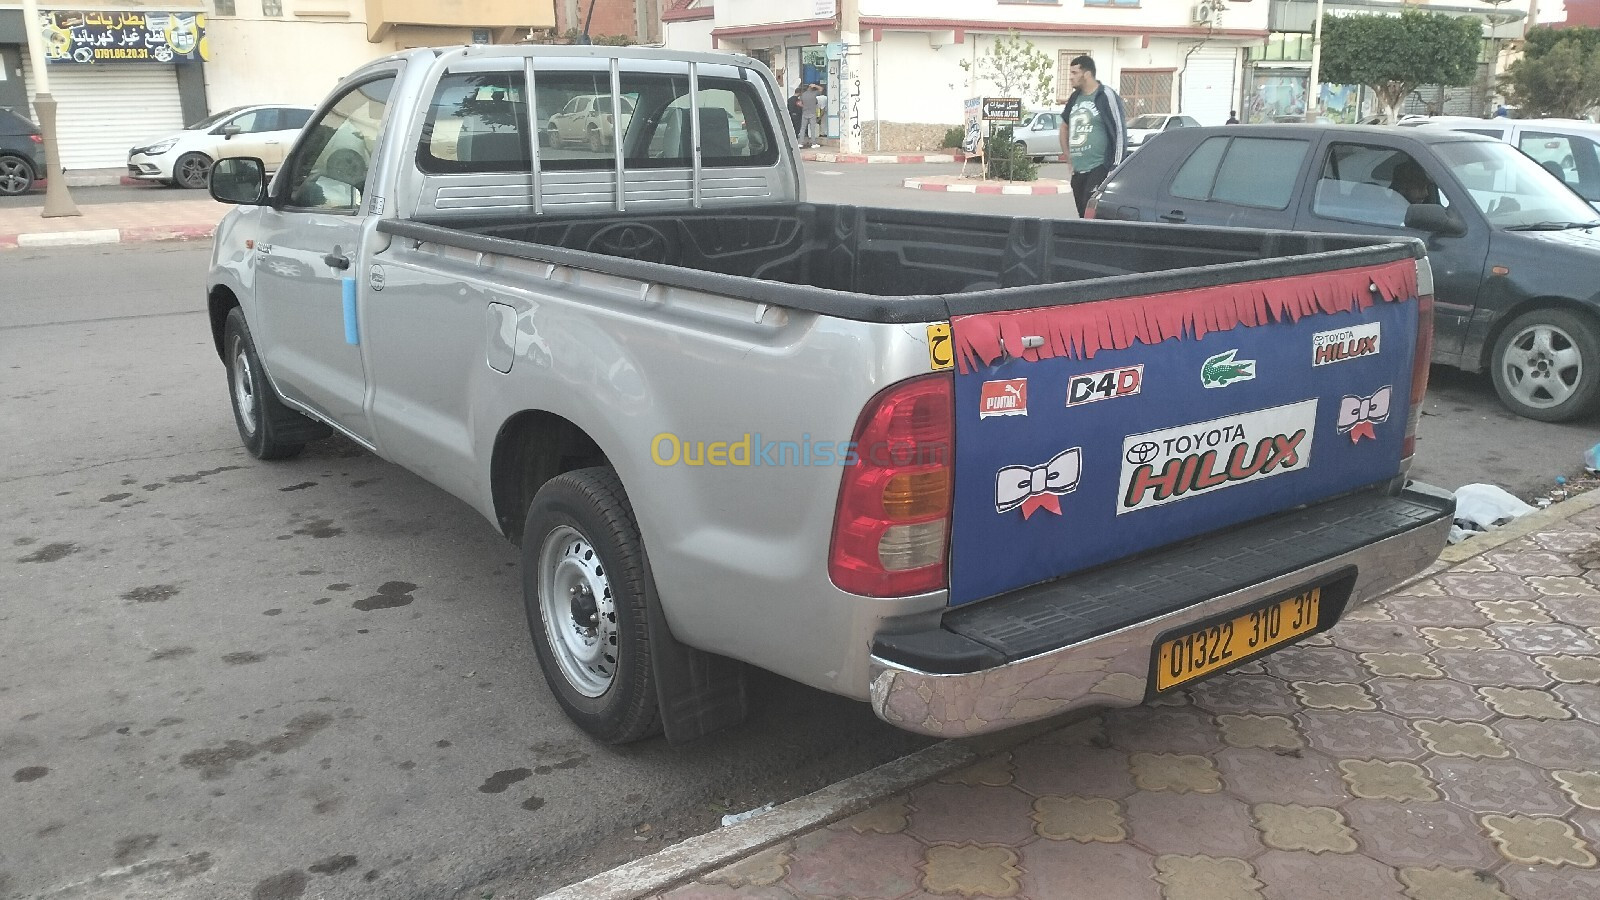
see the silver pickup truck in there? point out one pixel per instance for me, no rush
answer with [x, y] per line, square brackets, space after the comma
[975, 470]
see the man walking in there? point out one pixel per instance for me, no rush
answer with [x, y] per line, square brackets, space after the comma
[808, 118]
[1093, 129]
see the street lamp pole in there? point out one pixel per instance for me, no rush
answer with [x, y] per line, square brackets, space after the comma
[57, 199]
[1314, 87]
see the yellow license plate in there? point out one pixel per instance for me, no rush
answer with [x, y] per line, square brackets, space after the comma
[1222, 644]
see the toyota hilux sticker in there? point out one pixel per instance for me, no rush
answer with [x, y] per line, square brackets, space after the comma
[1032, 488]
[1173, 464]
[1345, 344]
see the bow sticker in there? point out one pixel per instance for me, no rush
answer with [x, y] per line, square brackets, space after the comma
[1038, 487]
[1357, 415]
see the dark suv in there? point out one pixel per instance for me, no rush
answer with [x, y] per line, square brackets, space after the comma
[1514, 250]
[21, 154]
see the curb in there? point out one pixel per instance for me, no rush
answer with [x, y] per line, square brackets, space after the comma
[682, 862]
[984, 188]
[869, 158]
[144, 234]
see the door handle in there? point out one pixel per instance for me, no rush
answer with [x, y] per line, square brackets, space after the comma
[1175, 216]
[336, 259]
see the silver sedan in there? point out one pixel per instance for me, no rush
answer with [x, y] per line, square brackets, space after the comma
[1039, 133]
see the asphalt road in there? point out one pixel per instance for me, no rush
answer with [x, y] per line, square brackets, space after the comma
[221, 678]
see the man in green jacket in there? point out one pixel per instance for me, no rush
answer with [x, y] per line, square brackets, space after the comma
[1094, 130]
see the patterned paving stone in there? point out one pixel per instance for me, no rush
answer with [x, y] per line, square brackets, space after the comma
[1582, 699]
[699, 891]
[1564, 586]
[1265, 732]
[1532, 562]
[957, 813]
[1497, 785]
[1549, 882]
[1401, 665]
[1089, 731]
[1272, 776]
[1452, 612]
[1498, 667]
[1530, 840]
[1514, 612]
[1360, 734]
[1314, 664]
[889, 817]
[1426, 587]
[1081, 819]
[1567, 541]
[1084, 771]
[844, 864]
[1582, 611]
[1325, 876]
[1244, 694]
[1471, 740]
[1120, 871]
[1485, 586]
[1292, 826]
[762, 869]
[1323, 695]
[1162, 730]
[971, 870]
[993, 771]
[1571, 669]
[1370, 612]
[1379, 779]
[1545, 639]
[1176, 772]
[1440, 883]
[1460, 639]
[1419, 834]
[1552, 745]
[1207, 878]
[1190, 824]
[1525, 703]
[1477, 564]
[1582, 787]
[1364, 637]
[1442, 698]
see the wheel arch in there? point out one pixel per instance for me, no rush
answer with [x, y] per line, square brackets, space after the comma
[218, 302]
[531, 448]
[1533, 304]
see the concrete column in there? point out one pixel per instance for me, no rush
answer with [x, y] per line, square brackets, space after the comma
[851, 77]
[57, 199]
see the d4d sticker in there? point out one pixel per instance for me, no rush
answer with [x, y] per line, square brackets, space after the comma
[1092, 386]
[1345, 344]
[1033, 488]
[1173, 464]
[1004, 398]
[1357, 415]
[1222, 370]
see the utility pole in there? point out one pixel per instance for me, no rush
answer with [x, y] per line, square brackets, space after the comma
[848, 103]
[1314, 86]
[57, 199]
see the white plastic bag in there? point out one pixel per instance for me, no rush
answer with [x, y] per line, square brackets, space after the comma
[1482, 507]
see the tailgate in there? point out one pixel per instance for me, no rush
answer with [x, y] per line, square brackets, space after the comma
[1091, 432]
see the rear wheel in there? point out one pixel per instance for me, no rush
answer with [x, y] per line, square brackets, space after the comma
[584, 587]
[193, 170]
[16, 176]
[1546, 365]
[597, 141]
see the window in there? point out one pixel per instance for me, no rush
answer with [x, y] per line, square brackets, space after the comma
[272, 7]
[1572, 159]
[294, 118]
[1064, 60]
[254, 121]
[1258, 172]
[1372, 185]
[1146, 91]
[328, 170]
[225, 8]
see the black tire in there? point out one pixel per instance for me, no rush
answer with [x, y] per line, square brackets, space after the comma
[579, 524]
[1546, 365]
[16, 176]
[597, 141]
[192, 170]
[267, 428]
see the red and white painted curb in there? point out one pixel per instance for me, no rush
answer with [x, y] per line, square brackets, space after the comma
[91, 237]
[815, 156]
[978, 187]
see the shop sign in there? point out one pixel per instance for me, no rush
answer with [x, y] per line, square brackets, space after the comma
[111, 36]
[1003, 109]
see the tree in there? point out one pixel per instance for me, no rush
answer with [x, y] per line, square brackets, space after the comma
[1556, 78]
[1394, 55]
[1017, 69]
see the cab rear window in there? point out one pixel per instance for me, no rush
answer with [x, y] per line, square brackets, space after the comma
[1244, 171]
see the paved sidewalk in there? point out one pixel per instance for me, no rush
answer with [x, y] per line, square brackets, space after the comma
[958, 184]
[1442, 743]
[111, 223]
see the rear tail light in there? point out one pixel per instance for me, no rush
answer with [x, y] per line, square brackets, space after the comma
[36, 138]
[892, 527]
[1091, 207]
[1419, 372]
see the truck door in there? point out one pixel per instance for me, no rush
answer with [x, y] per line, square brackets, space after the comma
[309, 259]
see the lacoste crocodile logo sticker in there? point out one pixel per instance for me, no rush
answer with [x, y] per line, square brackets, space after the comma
[1222, 370]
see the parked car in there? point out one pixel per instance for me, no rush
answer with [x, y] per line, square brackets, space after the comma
[975, 470]
[1147, 126]
[1568, 148]
[21, 153]
[185, 158]
[586, 120]
[1039, 134]
[1514, 249]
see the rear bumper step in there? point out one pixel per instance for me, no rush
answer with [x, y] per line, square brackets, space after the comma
[1087, 641]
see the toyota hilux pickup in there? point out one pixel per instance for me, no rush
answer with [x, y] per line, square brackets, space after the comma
[974, 470]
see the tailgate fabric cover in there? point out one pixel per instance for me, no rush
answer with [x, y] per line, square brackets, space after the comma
[1090, 432]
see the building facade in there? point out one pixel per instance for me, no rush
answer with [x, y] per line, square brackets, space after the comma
[637, 20]
[126, 72]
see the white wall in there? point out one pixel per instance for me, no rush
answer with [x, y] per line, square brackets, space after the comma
[282, 61]
[732, 13]
[691, 35]
[1149, 14]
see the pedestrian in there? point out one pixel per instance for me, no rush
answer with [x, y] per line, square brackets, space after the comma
[1094, 130]
[794, 109]
[822, 109]
[808, 117]
[1233, 117]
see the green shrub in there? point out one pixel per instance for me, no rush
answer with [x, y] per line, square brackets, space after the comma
[953, 137]
[1006, 160]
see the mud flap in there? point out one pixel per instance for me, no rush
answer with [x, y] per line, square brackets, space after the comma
[698, 692]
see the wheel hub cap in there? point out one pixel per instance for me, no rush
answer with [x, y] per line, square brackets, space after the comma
[1543, 366]
[579, 615]
[244, 390]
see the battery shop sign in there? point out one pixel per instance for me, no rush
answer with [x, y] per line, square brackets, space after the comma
[102, 36]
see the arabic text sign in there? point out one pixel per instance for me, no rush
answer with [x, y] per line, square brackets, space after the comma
[96, 36]
[1004, 109]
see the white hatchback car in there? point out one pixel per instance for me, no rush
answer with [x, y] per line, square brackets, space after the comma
[1567, 148]
[185, 158]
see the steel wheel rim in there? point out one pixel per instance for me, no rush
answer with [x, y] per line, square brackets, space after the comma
[1542, 366]
[244, 388]
[14, 177]
[578, 611]
[194, 171]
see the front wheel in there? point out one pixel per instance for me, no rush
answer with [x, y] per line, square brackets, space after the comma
[193, 170]
[16, 176]
[585, 589]
[267, 428]
[1546, 365]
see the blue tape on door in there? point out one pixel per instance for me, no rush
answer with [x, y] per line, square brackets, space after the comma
[352, 334]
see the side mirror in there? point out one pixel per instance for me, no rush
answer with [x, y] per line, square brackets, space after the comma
[241, 180]
[230, 132]
[1433, 218]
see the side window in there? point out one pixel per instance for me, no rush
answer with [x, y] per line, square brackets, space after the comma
[328, 170]
[253, 122]
[1371, 184]
[1259, 172]
[294, 118]
[734, 130]
[1572, 159]
[476, 122]
[1195, 176]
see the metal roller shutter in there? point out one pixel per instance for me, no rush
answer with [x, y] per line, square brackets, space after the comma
[104, 110]
[1208, 85]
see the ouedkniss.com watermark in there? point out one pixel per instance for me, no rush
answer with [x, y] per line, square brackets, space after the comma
[667, 449]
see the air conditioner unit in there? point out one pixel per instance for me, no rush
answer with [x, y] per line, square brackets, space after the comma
[1205, 12]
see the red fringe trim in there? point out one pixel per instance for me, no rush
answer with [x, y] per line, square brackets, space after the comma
[1080, 330]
